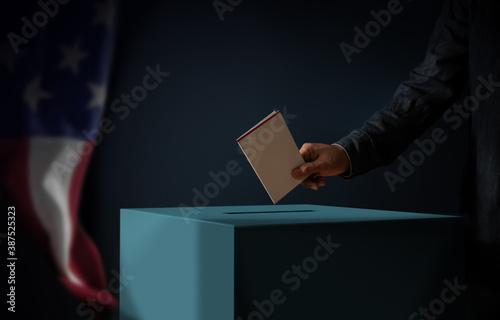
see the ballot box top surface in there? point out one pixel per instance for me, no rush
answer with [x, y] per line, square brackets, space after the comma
[242, 216]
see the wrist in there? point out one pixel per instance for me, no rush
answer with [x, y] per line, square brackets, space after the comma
[344, 161]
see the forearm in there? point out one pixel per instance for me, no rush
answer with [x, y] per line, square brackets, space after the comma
[432, 87]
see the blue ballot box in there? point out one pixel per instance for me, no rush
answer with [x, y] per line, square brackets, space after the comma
[290, 262]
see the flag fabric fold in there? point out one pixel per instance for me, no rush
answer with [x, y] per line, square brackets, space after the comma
[55, 63]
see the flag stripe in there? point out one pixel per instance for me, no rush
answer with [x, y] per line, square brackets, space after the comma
[54, 98]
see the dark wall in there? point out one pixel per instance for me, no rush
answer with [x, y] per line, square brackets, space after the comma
[227, 75]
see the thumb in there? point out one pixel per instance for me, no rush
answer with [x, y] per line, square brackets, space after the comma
[304, 170]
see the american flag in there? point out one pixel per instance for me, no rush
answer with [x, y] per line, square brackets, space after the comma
[55, 63]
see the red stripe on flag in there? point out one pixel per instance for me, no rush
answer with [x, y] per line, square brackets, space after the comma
[15, 188]
[85, 260]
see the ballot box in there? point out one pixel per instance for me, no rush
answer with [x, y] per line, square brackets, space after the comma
[290, 262]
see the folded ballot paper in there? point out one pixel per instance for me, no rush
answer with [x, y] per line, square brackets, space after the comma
[272, 152]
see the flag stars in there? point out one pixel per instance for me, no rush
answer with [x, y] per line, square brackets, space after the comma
[72, 57]
[98, 95]
[105, 13]
[34, 93]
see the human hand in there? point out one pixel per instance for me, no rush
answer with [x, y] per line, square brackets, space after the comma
[322, 160]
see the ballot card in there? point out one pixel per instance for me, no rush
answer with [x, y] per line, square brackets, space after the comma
[272, 153]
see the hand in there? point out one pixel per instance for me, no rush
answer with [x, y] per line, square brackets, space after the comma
[322, 160]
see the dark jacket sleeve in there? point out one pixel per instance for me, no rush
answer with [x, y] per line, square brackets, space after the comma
[433, 86]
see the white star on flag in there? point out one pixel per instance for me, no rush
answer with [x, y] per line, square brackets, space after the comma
[98, 95]
[72, 57]
[34, 93]
[104, 13]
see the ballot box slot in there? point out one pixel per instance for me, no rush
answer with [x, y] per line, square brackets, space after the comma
[269, 211]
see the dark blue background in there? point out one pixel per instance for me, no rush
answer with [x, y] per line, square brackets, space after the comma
[226, 76]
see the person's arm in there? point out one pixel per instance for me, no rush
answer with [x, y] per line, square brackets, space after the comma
[418, 102]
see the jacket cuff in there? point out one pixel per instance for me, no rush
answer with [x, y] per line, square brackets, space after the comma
[360, 150]
[347, 174]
